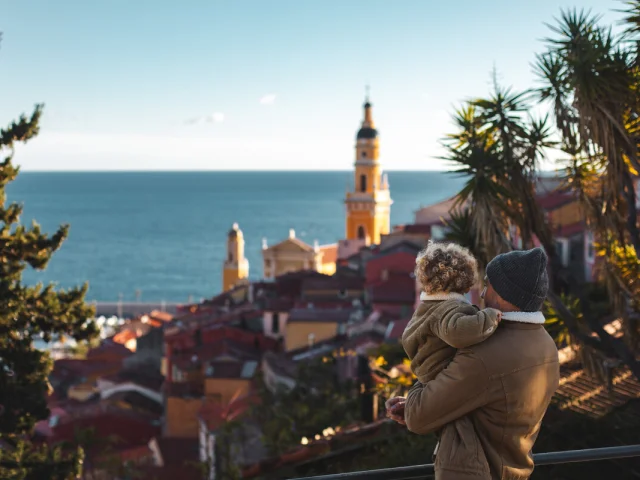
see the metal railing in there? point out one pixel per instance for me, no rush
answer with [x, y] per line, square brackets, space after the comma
[540, 459]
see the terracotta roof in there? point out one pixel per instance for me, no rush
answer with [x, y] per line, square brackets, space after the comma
[278, 305]
[76, 367]
[415, 228]
[129, 430]
[554, 199]
[342, 282]
[161, 316]
[109, 348]
[305, 247]
[319, 315]
[329, 253]
[144, 377]
[582, 394]
[195, 357]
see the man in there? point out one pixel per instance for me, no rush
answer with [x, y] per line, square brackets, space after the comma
[504, 384]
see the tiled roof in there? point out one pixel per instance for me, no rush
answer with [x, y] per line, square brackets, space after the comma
[161, 316]
[208, 352]
[319, 315]
[141, 376]
[305, 247]
[129, 430]
[554, 199]
[342, 282]
[329, 253]
[413, 228]
[109, 348]
[580, 393]
[278, 305]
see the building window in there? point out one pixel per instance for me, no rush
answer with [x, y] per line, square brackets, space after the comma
[363, 183]
[364, 154]
[361, 233]
[231, 256]
[275, 324]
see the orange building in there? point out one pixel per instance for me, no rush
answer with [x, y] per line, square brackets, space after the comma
[369, 204]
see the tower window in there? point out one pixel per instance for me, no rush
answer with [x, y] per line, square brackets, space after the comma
[361, 232]
[364, 154]
[231, 256]
[363, 183]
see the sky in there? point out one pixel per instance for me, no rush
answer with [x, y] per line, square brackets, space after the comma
[255, 84]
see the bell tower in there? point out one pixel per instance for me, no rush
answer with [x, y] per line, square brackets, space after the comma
[368, 205]
[236, 266]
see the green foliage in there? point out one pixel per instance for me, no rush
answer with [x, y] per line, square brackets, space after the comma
[29, 313]
[318, 401]
[555, 324]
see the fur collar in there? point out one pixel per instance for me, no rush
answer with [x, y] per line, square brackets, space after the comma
[436, 297]
[524, 317]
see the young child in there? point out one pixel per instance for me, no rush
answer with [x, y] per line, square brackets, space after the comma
[445, 321]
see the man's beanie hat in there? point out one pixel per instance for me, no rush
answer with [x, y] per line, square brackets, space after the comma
[520, 278]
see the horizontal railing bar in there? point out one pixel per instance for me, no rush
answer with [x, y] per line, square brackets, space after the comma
[540, 459]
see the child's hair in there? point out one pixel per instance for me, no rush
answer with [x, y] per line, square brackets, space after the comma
[446, 267]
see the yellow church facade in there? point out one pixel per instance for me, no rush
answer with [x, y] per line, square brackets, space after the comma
[293, 255]
[368, 205]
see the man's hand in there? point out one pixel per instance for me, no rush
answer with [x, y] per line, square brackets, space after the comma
[395, 409]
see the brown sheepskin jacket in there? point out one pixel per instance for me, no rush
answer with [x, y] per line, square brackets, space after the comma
[488, 403]
[441, 324]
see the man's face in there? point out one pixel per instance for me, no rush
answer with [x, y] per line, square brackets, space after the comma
[489, 295]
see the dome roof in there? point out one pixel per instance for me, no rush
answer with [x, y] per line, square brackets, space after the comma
[233, 233]
[367, 133]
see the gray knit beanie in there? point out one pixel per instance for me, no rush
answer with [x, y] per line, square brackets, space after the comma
[520, 278]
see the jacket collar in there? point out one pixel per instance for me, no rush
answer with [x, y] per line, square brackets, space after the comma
[438, 297]
[524, 317]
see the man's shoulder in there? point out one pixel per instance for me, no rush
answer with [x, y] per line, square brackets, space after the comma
[512, 349]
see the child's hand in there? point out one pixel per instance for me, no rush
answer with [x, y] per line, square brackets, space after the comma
[499, 316]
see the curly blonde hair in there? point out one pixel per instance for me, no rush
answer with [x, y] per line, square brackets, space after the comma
[446, 267]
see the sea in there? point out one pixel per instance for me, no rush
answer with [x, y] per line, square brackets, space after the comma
[153, 236]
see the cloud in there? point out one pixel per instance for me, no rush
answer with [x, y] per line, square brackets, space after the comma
[269, 99]
[215, 117]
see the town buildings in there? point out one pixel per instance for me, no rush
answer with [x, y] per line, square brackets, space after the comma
[167, 387]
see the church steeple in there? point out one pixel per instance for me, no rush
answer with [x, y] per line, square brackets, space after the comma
[236, 266]
[368, 205]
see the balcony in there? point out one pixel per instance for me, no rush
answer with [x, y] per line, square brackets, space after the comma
[540, 459]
